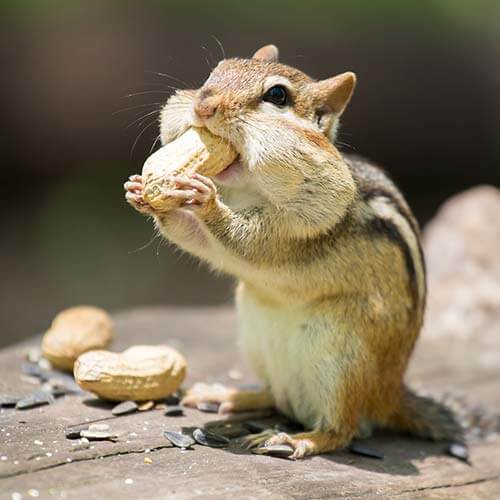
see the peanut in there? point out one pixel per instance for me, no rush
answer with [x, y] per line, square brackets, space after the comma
[75, 331]
[197, 150]
[140, 373]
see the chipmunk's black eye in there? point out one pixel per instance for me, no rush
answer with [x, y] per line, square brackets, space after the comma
[277, 95]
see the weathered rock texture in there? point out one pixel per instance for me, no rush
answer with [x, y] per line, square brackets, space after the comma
[459, 352]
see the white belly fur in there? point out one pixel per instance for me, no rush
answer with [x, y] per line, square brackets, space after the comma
[273, 341]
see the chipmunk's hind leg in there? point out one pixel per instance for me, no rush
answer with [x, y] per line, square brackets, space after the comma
[230, 399]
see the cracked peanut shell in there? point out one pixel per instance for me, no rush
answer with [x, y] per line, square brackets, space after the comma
[196, 150]
[141, 373]
[74, 331]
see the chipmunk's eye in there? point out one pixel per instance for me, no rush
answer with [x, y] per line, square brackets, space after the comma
[277, 95]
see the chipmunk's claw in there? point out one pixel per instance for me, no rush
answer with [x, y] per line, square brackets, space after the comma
[195, 191]
[256, 440]
[301, 447]
[134, 195]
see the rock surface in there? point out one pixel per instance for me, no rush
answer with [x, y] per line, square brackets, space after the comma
[462, 249]
[458, 352]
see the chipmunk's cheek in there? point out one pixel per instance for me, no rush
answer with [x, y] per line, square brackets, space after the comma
[232, 174]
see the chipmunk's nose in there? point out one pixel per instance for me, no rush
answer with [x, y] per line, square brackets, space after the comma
[206, 105]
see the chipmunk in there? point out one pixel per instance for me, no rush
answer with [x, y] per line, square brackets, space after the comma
[326, 251]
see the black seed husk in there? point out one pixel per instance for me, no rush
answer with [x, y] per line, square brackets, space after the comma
[208, 407]
[173, 399]
[174, 411]
[33, 370]
[211, 439]
[459, 451]
[38, 398]
[124, 408]
[98, 435]
[74, 432]
[179, 440]
[357, 449]
[7, 401]
[279, 450]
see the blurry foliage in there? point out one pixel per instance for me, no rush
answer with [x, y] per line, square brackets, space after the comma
[295, 14]
[98, 250]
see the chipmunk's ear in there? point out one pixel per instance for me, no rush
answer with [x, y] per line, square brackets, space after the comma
[336, 92]
[268, 53]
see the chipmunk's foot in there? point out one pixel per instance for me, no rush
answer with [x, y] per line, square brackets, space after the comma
[259, 439]
[230, 400]
[193, 191]
[134, 195]
[303, 444]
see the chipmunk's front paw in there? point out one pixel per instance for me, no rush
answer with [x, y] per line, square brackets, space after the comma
[134, 195]
[195, 192]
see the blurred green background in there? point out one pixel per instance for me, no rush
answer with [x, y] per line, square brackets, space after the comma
[427, 108]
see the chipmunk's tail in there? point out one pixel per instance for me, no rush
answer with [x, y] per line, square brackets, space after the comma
[428, 418]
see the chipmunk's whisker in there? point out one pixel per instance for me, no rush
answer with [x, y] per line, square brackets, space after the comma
[136, 107]
[209, 64]
[142, 117]
[154, 143]
[173, 78]
[153, 122]
[223, 52]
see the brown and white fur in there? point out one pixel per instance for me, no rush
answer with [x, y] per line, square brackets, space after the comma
[331, 276]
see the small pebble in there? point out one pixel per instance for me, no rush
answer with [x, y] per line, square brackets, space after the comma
[148, 405]
[38, 442]
[3, 458]
[33, 493]
[208, 407]
[124, 408]
[279, 450]
[459, 451]
[129, 481]
[179, 440]
[148, 460]
[174, 411]
[16, 496]
[211, 439]
[83, 444]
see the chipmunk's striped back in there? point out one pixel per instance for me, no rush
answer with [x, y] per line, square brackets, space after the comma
[390, 217]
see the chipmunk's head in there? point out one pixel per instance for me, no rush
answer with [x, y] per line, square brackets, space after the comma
[256, 103]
